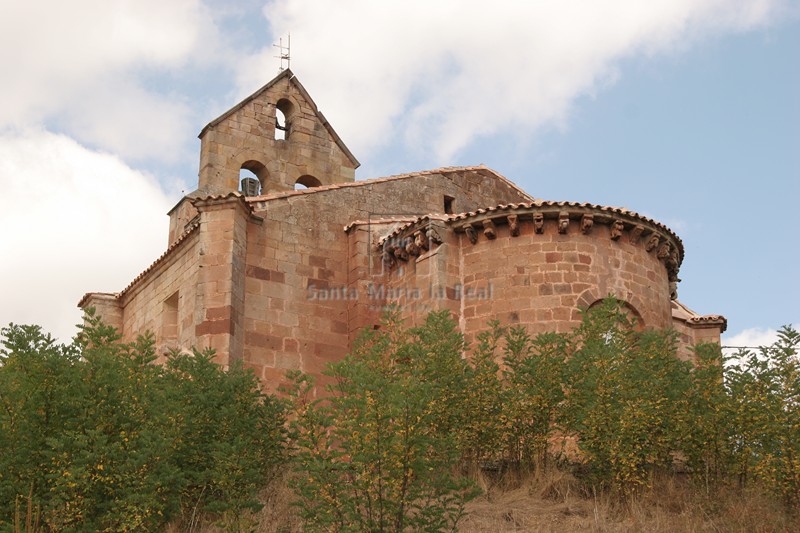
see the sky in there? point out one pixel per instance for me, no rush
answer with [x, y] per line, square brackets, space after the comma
[686, 111]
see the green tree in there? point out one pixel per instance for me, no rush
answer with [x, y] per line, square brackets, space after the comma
[535, 374]
[37, 398]
[764, 397]
[486, 424]
[227, 437]
[100, 438]
[624, 393]
[106, 471]
[379, 455]
[707, 424]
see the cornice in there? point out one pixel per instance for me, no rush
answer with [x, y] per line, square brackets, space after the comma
[624, 226]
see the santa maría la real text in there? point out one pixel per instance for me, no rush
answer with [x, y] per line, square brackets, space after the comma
[381, 292]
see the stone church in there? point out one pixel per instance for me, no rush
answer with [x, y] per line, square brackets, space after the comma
[282, 269]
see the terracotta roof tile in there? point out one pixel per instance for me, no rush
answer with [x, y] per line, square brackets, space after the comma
[174, 246]
[683, 313]
[443, 170]
[216, 197]
[424, 218]
[543, 203]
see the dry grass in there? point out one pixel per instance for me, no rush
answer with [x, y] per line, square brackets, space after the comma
[277, 515]
[554, 501]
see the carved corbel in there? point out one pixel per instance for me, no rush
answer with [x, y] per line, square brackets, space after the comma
[673, 290]
[636, 234]
[587, 221]
[663, 250]
[616, 230]
[652, 242]
[411, 247]
[488, 229]
[538, 223]
[400, 253]
[513, 225]
[563, 222]
[672, 264]
[433, 236]
[388, 258]
[421, 241]
[471, 234]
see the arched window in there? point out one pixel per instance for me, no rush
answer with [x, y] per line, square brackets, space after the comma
[280, 125]
[633, 316]
[306, 182]
[249, 183]
[283, 119]
[250, 169]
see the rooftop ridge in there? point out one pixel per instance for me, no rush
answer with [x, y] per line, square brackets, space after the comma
[172, 247]
[370, 181]
[163, 257]
[383, 220]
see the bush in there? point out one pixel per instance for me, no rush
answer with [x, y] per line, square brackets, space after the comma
[763, 401]
[406, 409]
[380, 453]
[99, 438]
[624, 395]
[535, 374]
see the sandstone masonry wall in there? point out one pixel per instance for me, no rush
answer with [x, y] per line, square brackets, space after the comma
[539, 278]
[147, 305]
[300, 311]
[245, 137]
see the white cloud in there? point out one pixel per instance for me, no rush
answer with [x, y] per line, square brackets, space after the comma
[440, 75]
[123, 118]
[79, 63]
[73, 220]
[751, 337]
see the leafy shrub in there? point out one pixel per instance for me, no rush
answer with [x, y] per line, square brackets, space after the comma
[379, 454]
[763, 397]
[624, 397]
[98, 438]
[406, 407]
[535, 374]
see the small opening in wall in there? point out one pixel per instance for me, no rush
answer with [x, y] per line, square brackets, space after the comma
[249, 183]
[254, 169]
[631, 313]
[283, 118]
[169, 319]
[280, 125]
[306, 182]
[448, 204]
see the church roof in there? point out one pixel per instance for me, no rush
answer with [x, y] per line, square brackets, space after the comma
[684, 314]
[163, 257]
[538, 204]
[288, 74]
[480, 169]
